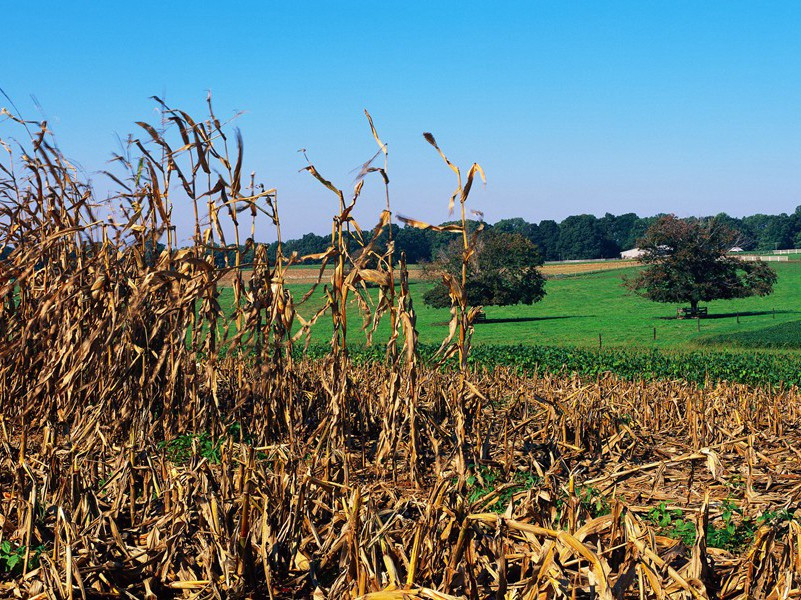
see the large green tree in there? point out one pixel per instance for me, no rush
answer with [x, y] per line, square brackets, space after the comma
[548, 239]
[623, 231]
[416, 243]
[688, 261]
[518, 225]
[501, 271]
[580, 236]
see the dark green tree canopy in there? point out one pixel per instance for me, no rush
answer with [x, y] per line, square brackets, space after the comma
[502, 271]
[518, 225]
[416, 243]
[688, 261]
[548, 239]
[580, 236]
[577, 237]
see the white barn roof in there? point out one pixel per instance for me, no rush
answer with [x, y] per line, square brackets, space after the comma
[633, 253]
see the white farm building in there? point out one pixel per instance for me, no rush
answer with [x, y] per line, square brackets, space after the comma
[632, 254]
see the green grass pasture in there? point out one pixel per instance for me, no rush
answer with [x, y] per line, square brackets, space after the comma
[578, 308]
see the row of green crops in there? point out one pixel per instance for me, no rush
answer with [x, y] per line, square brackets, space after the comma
[752, 368]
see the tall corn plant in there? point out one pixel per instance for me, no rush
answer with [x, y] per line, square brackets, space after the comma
[93, 299]
[462, 314]
[351, 252]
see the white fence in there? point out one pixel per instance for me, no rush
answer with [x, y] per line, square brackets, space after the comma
[772, 258]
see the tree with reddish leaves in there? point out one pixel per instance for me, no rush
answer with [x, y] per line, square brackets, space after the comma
[688, 261]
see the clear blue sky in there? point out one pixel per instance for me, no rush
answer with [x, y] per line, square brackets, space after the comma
[685, 107]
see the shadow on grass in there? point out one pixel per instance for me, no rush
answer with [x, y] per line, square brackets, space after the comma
[532, 319]
[518, 320]
[784, 335]
[732, 315]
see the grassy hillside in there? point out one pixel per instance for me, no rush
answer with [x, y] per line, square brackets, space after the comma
[785, 335]
[577, 308]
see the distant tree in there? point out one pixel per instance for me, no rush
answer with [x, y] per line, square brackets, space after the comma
[731, 222]
[518, 225]
[502, 271]
[771, 232]
[151, 253]
[797, 227]
[688, 262]
[610, 247]
[753, 228]
[441, 240]
[580, 236]
[624, 229]
[779, 233]
[416, 243]
[745, 238]
[548, 233]
[310, 243]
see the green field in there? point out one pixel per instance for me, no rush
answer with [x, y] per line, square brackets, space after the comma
[578, 308]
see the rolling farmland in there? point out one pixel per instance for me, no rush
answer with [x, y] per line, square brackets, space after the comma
[578, 307]
[162, 435]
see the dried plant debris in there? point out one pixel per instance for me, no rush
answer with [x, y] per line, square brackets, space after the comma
[152, 446]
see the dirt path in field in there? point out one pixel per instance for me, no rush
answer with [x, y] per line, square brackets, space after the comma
[575, 268]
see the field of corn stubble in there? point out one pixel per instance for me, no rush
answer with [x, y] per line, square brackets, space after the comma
[144, 454]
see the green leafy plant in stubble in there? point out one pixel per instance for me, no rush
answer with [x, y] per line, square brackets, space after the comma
[779, 518]
[12, 557]
[180, 449]
[672, 523]
[733, 533]
[493, 479]
[590, 499]
[593, 501]
[737, 532]
[735, 482]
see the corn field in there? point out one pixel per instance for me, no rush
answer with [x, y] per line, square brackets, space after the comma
[154, 446]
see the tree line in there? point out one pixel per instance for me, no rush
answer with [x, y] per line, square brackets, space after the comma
[576, 237]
